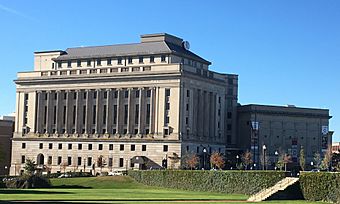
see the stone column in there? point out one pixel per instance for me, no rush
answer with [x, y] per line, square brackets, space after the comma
[49, 112]
[38, 114]
[201, 114]
[68, 121]
[120, 111]
[88, 111]
[152, 110]
[194, 111]
[109, 112]
[141, 111]
[130, 112]
[58, 112]
[98, 124]
[206, 115]
[78, 112]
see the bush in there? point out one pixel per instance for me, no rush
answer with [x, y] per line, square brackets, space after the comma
[241, 182]
[28, 181]
[72, 174]
[320, 186]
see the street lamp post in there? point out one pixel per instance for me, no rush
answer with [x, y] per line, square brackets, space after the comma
[312, 164]
[264, 156]
[6, 170]
[276, 158]
[84, 164]
[237, 157]
[204, 152]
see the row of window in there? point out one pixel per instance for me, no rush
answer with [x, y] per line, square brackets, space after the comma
[90, 146]
[109, 61]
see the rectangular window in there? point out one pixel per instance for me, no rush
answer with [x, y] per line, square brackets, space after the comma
[137, 92]
[126, 94]
[89, 161]
[78, 63]
[121, 162]
[89, 147]
[23, 145]
[167, 92]
[49, 160]
[143, 148]
[60, 65]
[116, 94]
[100, 146]
[88, 63]
[130, 60]
[167, 120]
[94, 115]
[104, 114]
[69, 161]
[167, 106]
[110, 162]
[115, 114]
[69, 146]
[166, 131]
[186, 120]
[188, 93]
[23, 159]
[152, 59]
[99, 62]
[125, 114]
[64, 115]
[79, 161]
[163, 57]
[148, 93]
[137, 114]
[60, 146]
[80, 146]
[74, 115]
[119, 60]
[121, 147]
[229, 115]
[187, 107]
[85, 95]
[41, 145]
[84, 114]
[148, 113]
[165, 148]
[69, 63]
[228, 126]
[141, 60]
[133, 147]
[105, 94]
[50, 145]
[109, 61]
[110, 146]
[59, 160]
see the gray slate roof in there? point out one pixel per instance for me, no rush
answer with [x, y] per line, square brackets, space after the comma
[146, 48]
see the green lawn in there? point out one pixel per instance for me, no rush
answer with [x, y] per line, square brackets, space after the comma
[118, 189]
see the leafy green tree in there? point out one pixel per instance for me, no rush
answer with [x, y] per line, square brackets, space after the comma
[29, 166]
[302, 159]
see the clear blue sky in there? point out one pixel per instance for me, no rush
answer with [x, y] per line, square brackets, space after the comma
[285, 52]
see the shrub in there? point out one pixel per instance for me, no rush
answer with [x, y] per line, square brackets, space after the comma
[321, 186]
[242, 182]
[28, 181]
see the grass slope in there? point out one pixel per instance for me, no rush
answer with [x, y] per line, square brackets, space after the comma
[120, 188]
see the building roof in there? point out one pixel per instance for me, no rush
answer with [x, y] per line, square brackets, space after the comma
[160, 44]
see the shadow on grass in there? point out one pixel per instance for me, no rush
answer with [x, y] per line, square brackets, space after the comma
[21, 191]
[71, 186]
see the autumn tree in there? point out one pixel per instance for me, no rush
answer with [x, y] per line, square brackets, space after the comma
[286, 160]
[217, 160]
[302, 159]
[100, 162]
[247, 158]
[190, 160]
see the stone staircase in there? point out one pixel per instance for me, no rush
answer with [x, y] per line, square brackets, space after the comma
[279, 186]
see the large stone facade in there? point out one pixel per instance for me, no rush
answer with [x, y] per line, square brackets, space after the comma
[283, 130]
[6, 133]
[154, 100]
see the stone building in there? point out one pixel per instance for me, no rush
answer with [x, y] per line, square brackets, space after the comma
[154, 100]
[6, 133]
[272, 130]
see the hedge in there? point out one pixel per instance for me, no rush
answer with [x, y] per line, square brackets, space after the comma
[239, 182]
[321, 186]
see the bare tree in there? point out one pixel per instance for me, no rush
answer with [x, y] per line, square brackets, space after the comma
[63, 165]
[217, 160]
[317, 160]
[101, 162]
[326, 162]
[247, 158]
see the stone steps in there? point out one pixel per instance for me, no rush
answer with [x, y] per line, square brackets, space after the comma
[279, 186]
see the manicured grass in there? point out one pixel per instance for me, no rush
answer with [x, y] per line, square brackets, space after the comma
[108, 188]
[118, 189]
